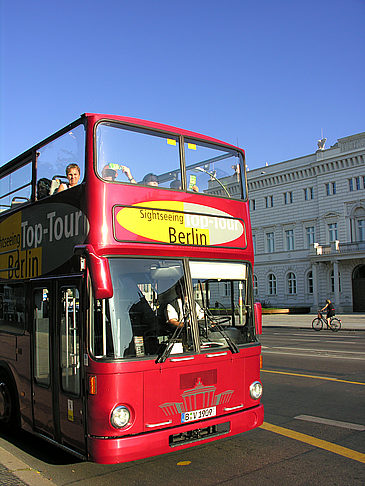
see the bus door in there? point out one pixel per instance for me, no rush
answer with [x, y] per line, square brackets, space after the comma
[43, 358]
[57, 391]
[70, 390]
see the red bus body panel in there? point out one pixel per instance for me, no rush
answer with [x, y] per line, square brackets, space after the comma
[158, 394]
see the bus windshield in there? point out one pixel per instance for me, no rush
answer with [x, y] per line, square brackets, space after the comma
[140, 156]
[150, 307]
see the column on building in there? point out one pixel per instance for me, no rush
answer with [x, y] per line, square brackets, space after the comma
[315, 286]
[336, 284]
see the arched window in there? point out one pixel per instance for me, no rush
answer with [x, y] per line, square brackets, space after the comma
[272, 284]
[357, 222]
[292, 283]
[360, 229]
[310, 282]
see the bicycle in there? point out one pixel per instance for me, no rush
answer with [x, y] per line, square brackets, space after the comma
[334, 324]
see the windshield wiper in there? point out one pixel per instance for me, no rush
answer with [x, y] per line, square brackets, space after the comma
[214, 325]
[166, 351]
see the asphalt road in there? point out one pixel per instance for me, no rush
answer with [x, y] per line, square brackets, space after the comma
[313, 434]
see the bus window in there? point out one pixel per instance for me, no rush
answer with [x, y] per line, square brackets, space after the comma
[12, 308]
[69, 336]
[214, 171]
[135, 321]
[16, 188]
[53, 158]
[221, 290]
[41, 336]
[137, 156]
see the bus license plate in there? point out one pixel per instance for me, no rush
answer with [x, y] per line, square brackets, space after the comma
[198, 414]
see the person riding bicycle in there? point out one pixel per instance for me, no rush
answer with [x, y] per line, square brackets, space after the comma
[330, 308]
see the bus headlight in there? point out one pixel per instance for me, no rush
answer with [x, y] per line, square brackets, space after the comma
[120, 417]
[255, 390]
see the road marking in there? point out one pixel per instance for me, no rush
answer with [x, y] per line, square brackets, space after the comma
[321, 444]
[313, 376]
[311, 349]
[335, 423]
[314, 354]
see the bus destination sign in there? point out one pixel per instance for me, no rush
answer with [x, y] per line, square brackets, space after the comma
[178, 223]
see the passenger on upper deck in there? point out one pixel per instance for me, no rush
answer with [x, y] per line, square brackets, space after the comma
[150, 180]
[73, 176]
[110, 172]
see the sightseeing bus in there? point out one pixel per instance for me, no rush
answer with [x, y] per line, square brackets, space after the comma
[128, 326]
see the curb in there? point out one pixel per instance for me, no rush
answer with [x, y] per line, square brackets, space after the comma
[22, 471]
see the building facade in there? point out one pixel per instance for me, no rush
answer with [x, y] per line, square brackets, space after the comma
[308, 223]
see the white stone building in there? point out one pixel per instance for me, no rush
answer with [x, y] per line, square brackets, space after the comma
[308, 223]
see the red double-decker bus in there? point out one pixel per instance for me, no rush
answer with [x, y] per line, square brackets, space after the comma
[127, 320]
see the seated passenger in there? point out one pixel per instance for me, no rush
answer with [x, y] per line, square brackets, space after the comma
[175, 184]
[110, 172]
[73, 176]
[150, 180]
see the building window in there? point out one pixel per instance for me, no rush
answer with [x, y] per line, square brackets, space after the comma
[269, 201]
[226, 289]
[332, 231]
[292, 283]
[288, 197]
[255, 286]
[270, 242]
[289, 235]
[310, 282]
[361, 229]
[330, 188]
[254, 243]
[310, 236]
[253, 204]
[333, 282]
[308, 193]
[272, 284]
[355, 183]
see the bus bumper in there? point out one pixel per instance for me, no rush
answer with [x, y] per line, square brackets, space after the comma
[125, 449]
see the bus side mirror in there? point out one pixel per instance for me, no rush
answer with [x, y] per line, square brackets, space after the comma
[258, 317]
[99, 271]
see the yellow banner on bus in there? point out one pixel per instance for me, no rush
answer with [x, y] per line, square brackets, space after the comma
[177, 222]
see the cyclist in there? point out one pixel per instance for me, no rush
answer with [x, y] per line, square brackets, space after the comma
[330, 308]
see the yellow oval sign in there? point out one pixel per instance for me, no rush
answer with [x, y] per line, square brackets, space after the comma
[178, 222]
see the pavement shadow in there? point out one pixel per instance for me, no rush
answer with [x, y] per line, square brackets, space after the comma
[38, 448]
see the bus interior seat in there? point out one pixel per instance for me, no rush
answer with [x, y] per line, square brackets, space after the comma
[17, 200]
[56, 182]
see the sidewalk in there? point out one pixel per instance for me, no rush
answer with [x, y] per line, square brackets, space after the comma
[350, 322]
[14, 472]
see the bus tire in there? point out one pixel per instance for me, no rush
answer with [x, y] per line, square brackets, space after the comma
[9, 405]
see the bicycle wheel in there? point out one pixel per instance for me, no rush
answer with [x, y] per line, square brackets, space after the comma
[335, 324]
[317, 324]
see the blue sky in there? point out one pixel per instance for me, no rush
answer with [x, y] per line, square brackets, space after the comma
[266, 75]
